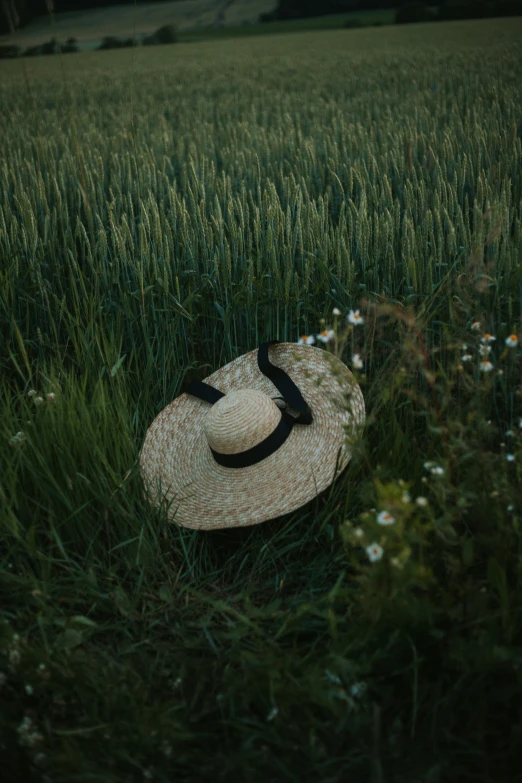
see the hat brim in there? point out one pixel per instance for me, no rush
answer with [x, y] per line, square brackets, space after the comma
[179, 469]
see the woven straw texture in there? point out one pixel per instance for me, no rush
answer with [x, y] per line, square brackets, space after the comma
[179, 468]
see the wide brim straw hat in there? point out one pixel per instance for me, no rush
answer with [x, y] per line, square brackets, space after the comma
[233, 452]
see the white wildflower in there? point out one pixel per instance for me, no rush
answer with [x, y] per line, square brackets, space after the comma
[326, 336]
[486, 366]
[374, 552]
[421, 501]
[355, 318]
[385, 518]
[51, 397]
[336, 311]
[306, 340]
[466, 358]
[487, 338]
[476, 326]
[434, 468]
[357, 362]
[38, 400]
[512, 341]
[510, 457]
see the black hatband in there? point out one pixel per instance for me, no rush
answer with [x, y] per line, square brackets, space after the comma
[257, 453]
[295, 410]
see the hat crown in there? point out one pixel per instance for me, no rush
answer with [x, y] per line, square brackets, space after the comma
[240, 420]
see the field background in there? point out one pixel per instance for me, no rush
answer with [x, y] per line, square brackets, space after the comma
[163, 211]
[123, 21]
[195, 20]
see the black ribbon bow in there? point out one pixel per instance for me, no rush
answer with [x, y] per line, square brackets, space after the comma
[294, 410]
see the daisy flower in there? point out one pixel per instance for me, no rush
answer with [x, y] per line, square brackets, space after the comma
[466, 358]
[374, 552]
[357, 362]
[306, 340]
[434, 468]
[336, 311]
[486, 366]
[485, 350]
[476, 326]
[385, 518]
[326, 336]
[487, 338]
[355, 318]
[512, 341]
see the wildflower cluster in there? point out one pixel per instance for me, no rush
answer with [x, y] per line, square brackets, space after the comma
[353, 319]
[28, 733]
[392, 533]
[38, 399]
[485, 348]
[20, 437]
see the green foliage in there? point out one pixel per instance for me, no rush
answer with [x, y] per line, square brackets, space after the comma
[164, 35]
[154, 233]
[8, 52]
[167, 34]
[112, 42]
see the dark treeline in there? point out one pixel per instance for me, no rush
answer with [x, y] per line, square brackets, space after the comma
[295, 9]
[448, 9]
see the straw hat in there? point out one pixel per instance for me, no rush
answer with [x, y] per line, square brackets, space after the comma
[257, 439]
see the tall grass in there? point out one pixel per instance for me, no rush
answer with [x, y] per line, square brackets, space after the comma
[256, 189]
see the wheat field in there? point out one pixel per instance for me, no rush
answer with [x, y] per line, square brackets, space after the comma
[163, 211]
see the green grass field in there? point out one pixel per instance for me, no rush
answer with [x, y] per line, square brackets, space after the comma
[165, 210]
